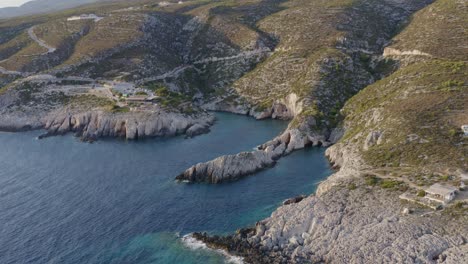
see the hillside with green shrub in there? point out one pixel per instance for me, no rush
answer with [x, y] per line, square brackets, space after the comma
[411, 120]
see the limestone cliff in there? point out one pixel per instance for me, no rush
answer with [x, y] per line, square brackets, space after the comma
[97, 124]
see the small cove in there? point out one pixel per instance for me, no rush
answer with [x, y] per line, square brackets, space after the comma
[64, 201]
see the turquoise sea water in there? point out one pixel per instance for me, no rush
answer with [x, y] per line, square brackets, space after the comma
[64, 201]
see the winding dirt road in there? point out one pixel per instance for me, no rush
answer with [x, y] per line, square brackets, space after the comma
[39, 41]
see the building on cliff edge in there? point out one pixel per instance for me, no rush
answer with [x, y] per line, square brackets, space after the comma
[441, 193]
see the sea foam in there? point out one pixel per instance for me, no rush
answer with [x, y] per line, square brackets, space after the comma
[195, 244]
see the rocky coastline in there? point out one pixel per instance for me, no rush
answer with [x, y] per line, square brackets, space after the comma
[348, 221]
[131, 126]
[347, 226]
[94, 124]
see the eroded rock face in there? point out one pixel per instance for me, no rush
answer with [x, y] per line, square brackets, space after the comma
[373, 138]
[286, 108]
[231, 107]
[96, 124]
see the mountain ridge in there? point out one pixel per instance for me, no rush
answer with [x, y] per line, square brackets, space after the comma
[37, 7]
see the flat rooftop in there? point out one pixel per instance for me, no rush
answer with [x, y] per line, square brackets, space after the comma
[441, 189]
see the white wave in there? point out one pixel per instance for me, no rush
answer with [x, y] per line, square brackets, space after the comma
[195, 244]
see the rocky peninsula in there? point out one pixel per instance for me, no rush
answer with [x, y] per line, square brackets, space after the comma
[232, 167]
[36, 103]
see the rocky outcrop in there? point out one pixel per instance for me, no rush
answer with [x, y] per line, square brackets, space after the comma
[388, 52]
[340, 224]
[373, 138]
[364, 225]
[348, 163]
[294, 200]
[197, 129]
[92, 125]
[231, 167]
[286, 108]
[224, 106]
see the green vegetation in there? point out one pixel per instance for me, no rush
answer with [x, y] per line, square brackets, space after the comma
[88, 101]
[452, 83]
[117, 109]
[309, 113]
[459, 209]
[74, 82]
[420, 107]
[389, 184]
[421, 193]
[445, 177]
[433, 115]
[170, 99]
[158, 88]
[445, 22]
[116, 93]
[459, 205]
[264, 105]
[75, 40]
[371, 180]
[4, 89]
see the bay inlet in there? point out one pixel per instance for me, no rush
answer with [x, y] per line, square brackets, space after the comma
[65, 201]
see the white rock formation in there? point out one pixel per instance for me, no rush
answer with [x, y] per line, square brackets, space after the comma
[231, 167]
[95, 124]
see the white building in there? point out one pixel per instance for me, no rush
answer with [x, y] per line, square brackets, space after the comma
[441, 193]
[84, 17]
[465, 130]
[164, 4]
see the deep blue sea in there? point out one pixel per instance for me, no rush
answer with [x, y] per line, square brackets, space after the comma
[65, 201]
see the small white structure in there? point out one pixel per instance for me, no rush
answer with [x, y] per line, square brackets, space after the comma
[464, 180]
[84, 17]
[465, 130]
[164, 4]
[441, 193]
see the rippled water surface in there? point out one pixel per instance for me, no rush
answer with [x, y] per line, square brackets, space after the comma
[64, 201]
